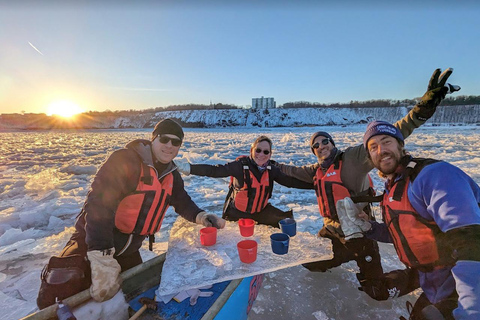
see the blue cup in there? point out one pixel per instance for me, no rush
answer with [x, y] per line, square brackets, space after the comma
[279, 243]
[288, 226]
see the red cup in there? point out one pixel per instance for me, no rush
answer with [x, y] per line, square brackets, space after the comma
[208, 236]
[246, 227]
[247, 250]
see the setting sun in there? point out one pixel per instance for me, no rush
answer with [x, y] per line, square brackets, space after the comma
[63, 108]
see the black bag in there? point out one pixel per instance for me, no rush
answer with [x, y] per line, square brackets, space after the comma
[63, 277]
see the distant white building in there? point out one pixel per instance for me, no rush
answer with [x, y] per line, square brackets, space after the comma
[263, 103]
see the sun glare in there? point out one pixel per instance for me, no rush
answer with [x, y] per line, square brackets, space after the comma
[63, 108]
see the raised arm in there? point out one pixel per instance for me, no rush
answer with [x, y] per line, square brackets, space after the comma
[437, 89]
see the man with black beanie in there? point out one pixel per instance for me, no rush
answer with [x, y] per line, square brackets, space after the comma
[344, 174]
[127, 202]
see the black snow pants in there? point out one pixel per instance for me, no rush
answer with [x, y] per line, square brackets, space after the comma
[364, 251]
[270, 215]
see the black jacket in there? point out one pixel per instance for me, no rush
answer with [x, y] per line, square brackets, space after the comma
[117, 178]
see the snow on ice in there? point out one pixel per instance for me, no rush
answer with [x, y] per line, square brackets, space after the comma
[45, 176]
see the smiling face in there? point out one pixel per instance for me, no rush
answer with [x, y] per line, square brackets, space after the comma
[258, 152]
[323, 150]
[165, 152]
[385, 152]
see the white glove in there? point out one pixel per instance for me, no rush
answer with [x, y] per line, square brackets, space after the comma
[451, 88]
[105, 274]
[348, 213]
[196, 293]
[183, 166]
[210, 220]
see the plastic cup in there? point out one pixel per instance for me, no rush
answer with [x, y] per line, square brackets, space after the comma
[247, 250]
[247, 227]
[288, 226]
[208, 236]
[279, 243]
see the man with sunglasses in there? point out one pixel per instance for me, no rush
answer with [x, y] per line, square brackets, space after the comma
[126, 204]
[251, 184]
[341, 174]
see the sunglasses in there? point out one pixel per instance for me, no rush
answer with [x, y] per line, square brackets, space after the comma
[324, 142]
[265, 152]
[164, 140]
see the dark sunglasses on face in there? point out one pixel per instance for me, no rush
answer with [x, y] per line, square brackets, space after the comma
[324, 142]
[164, 140]
[265, 152]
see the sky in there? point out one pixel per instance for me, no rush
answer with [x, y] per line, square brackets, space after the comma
[114, 55]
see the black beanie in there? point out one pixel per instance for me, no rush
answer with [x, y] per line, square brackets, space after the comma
[323, 134]
[167, 126]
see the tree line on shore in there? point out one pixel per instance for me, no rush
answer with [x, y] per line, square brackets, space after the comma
[376, 103]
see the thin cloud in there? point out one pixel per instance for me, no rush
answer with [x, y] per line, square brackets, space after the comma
[31, 45]
[140, 89]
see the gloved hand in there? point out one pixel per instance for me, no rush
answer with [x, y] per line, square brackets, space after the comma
[436, 91]
[105, 274]
[183, 166]
[390, 285]
[210, 220]
[352, 225]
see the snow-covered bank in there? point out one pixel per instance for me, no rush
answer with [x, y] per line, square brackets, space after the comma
[446, 115]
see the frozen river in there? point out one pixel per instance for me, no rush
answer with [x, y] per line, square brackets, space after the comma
[45, 176]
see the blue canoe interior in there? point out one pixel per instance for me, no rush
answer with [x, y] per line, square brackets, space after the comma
[230, 300]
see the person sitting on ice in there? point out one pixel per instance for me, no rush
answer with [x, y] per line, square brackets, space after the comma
[126, 203]
[251, 184]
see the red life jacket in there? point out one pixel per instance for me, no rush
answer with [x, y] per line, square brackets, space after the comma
[142, 211]
[419, 242]
[329, 188]
[253, 196]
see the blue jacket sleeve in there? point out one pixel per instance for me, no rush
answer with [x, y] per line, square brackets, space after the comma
[467, 279]
[447, 195]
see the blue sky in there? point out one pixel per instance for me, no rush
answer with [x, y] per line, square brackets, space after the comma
[120, 56]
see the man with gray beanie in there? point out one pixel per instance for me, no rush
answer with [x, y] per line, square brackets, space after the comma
[344, 174]
[431, 214]
[127, 202]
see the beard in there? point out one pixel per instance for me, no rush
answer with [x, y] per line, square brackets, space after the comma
[387, 163]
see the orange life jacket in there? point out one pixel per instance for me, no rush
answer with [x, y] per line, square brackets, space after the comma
[329, 188]
[253, 196]
[419, 242]
[142, 211]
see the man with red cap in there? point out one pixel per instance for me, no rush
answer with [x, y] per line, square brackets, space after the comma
[127, 202]
[340, 174]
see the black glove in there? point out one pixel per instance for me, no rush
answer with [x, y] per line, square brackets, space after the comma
[436, 91]
[390, 285]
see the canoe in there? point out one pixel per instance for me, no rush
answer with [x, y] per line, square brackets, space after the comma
[229, 298]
